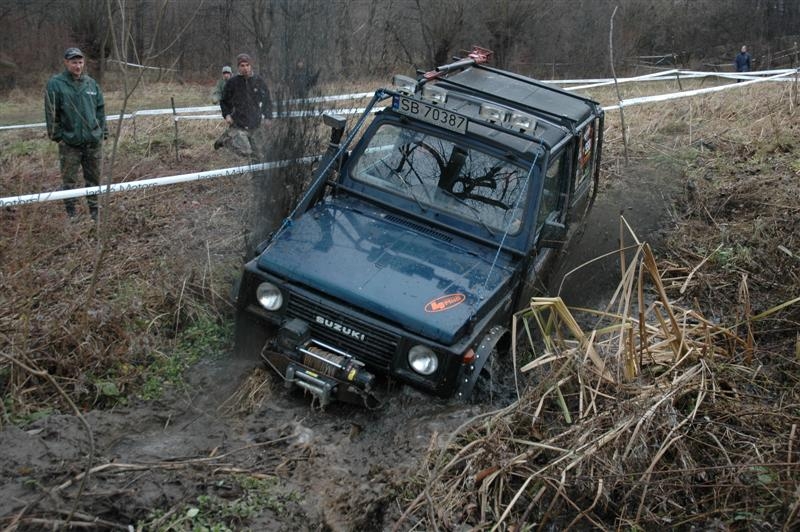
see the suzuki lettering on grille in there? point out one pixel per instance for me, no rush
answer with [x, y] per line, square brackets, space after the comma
[343, 329]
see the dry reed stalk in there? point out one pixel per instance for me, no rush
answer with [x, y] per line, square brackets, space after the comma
[677, 353]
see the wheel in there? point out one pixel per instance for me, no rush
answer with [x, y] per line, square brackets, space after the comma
[495, 384]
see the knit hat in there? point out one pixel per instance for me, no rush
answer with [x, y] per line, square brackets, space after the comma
[227, 69]
[243, 58]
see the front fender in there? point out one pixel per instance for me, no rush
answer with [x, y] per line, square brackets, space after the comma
[470, 374]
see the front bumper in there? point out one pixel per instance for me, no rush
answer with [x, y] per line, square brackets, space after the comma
[327, 373]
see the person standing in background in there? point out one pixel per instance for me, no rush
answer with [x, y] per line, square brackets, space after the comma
[742, 61]
[245, 100]
[216, 94]
[75, 114]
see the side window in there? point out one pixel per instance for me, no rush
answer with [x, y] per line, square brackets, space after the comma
[553, 185]
[586, 156]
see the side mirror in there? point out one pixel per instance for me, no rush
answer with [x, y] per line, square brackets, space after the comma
[337, 124]
[553, 234]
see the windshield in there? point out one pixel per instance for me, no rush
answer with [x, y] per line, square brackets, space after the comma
[437, 173]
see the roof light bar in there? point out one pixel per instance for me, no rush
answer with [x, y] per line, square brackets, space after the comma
[434, 94]
[492, 114]
[404, 85]
[522, 122]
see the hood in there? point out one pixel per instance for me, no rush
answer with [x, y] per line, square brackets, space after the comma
[428, 282]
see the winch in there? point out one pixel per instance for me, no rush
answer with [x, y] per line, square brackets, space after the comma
[323, 370]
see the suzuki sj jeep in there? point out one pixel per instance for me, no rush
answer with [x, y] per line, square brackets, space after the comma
[421, 233]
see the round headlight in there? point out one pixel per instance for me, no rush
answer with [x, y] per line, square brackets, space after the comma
[423, 360]
[269, 296]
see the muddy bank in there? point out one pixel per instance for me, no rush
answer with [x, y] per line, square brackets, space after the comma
[589, 269]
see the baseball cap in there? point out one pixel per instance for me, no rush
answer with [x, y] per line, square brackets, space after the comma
[227, 69]
[243, 58]
[71, 53]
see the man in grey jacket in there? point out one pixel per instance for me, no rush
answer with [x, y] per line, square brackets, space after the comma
[74, 110]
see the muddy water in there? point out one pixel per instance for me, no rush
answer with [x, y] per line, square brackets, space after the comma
[334, 469]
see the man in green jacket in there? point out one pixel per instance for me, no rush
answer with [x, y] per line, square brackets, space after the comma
[74, 110]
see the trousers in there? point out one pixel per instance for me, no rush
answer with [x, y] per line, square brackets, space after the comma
[74, 158]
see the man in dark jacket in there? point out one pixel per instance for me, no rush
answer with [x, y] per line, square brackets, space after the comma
[742, 61]
[245, 100]
[75, 113]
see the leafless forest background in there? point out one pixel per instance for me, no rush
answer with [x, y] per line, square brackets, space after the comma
[188, 40]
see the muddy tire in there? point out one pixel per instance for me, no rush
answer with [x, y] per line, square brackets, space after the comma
[495, 384]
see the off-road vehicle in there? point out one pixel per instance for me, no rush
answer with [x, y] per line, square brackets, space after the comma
[421, 233]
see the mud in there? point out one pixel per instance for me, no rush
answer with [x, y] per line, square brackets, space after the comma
[645, 197]
[341, 468]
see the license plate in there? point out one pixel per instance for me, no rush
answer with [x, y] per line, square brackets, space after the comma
[430, 114]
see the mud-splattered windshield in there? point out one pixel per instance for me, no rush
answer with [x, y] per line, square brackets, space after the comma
[436, 173]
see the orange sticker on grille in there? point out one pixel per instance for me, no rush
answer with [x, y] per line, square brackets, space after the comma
[445, 302]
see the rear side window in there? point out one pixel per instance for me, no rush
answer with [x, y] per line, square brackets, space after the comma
[553, 187]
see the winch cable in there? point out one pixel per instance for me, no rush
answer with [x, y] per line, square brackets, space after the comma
[482, 293]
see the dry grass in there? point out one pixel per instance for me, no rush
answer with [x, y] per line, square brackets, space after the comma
[678, 407]
[111, 303]
[656, 417]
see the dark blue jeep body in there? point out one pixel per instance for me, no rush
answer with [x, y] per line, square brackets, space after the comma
[413, 246]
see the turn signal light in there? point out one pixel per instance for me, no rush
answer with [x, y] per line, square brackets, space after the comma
[469, 357]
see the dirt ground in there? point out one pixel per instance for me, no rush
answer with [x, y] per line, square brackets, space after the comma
[341, 468]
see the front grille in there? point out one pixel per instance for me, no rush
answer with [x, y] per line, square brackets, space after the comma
[376, 350]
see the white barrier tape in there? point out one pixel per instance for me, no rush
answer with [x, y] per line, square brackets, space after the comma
[207, 108]
[760, 73]
[333, 98]
[149, 183]
[685, 94]
[23, 126]
[109, 118]
[198, 117]
[134, 65]
[644, 77]
[290, 114]
[671, 75]
[151, 112]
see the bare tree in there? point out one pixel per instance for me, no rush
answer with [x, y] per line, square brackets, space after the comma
[509, 24]
[372, 37]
